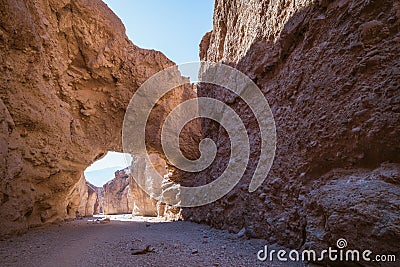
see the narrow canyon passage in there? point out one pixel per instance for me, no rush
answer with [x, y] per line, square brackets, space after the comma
[73, 86]
[85, 243]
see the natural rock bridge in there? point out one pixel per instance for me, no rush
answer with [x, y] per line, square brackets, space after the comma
[330, 71]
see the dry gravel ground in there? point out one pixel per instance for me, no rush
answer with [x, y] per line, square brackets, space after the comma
[88, 243]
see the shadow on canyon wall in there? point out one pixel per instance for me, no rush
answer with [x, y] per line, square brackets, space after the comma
[332, 80]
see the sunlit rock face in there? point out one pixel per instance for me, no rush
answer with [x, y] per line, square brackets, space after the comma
[68, 73]
[330, 72]
[143, 189]
[116, 194]
[83, 200]
[150, 186]
[93, 204]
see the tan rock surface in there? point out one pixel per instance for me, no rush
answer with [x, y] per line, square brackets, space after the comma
[68, 72]
[82, 200]
[330, 71]
[139, 190]
[145, 185]
[116, 194]
[93, 203]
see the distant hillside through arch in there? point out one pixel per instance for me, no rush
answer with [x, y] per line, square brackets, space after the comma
[102, 171]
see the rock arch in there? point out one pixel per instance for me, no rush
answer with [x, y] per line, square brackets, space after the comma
[68, 74]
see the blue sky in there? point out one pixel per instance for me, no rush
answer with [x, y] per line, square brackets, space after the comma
[102, 171]
[110, 160]
[174, 27]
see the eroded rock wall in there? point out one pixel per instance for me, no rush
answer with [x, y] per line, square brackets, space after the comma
[142, 189]
[68, 73]
[152, 188]
[116, 194]
[93, 203]
[331, 73]
[82, 200]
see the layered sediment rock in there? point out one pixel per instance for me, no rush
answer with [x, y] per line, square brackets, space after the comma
[68, 73]
[330, 71]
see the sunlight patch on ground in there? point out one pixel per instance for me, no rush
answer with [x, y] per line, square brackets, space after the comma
[125, 218]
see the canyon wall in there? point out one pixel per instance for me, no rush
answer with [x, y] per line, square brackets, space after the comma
[83, 199]
[93, 204]
[139, 190]
[330, 71]
[151, 191]
[116, 194]
[68, 73]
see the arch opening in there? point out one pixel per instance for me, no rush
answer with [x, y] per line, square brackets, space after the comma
[108, 178]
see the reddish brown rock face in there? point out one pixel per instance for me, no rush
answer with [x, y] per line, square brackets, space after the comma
[68, 73]
[330, 72]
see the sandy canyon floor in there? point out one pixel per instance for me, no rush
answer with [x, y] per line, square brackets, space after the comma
[89, 243]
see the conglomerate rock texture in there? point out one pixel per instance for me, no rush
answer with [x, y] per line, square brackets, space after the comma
[331, 73]
[68, 72]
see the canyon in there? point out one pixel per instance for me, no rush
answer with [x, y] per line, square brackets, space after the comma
[68, 73]
[116, 196]
[83, 199]
[136, 189]
[330, 71]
